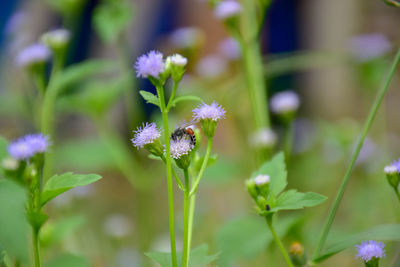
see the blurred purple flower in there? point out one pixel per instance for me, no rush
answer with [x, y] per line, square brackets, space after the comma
[283, 102]
[151, 64]
[227, 9]
[370, 249]
[211, 66]
[145, 135]
[27, 146]
[369, 46]
[230, 48]
[396, 164]
[34, 53]
[15, 23]
[214, 112]
[186, 37]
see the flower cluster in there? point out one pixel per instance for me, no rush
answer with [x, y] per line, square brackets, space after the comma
[27, 146]
[145, 135]
[56, 39]
[285, 102]
[180, 147]
[212, 112]
[369, 46]
[370, 249]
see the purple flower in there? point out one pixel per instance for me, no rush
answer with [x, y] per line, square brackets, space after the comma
[213, 112]
[396, 164]
[369, 46]
[180, 147]
[34, 53]
[151, 64]
[370, 249]
[186, 37]
[27, 146]
[145, 135]
[230, 48]
[285, 102]
[227, 9]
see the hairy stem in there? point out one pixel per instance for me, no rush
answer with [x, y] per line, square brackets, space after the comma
[367, 126]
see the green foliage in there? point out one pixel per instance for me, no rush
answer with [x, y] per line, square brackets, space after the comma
[150, 98]
[389, 232]
[198, 257]
[67, 7]
[292, 200]
[111, 18]
[96, 97]
[54, 232]
[185, 98]
[3, 152]
[67, 260]
[81, 71]
[58, 184]
[14, 225]
[85, 155]
[288, 200]
[247, 237]
[198, 161]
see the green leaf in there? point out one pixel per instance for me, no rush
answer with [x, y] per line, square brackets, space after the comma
[185, 98]
[58, 184]
[150, 98]
[54, 232]
[276, 170]
[111, 18]
[247, 237]
[198, 257]
[292, 200]
[67, 260]
[198, 161]
[389, 232]
[14, 224]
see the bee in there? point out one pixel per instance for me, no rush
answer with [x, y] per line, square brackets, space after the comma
[184, 132]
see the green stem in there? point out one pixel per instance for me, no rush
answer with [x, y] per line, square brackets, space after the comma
[185, 252]
[288, 141]
[279, 242]
[192, 204]
[203, 167]
[172, 97]
[178, 181]
[36, 247]
[164, 112]
[367, 125]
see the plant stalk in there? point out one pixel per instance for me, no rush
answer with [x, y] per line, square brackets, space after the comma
[186, 251]
[367, 126]
[279, 242]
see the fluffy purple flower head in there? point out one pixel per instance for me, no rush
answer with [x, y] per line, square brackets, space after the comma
[145, 135]
[151, 64]
[370, 249]
[211, 66]
[213, 112]
[34, 53]
[29, 145]
[180, 147]
[369, 46]
[227, 9]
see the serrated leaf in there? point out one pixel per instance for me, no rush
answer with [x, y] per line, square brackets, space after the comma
[276, 170]
[198, 257]
[185, 98]
[14, 224]
[58, 184]
[150, 98]
[67, 260]
[247, 237]
[292, 200]
[389, 232]
[111, 18]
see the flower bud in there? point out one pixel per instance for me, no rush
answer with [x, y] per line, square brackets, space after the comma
[392, 176]
[297, 254]
[209, 115]
[57, 40]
